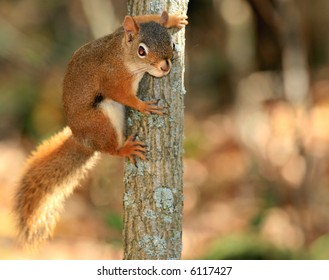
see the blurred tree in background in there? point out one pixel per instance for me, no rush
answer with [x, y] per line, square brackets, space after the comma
[256, 126]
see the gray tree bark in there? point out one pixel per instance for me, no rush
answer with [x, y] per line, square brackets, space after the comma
[153, 197]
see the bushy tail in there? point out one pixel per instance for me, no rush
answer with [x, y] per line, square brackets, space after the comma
[51, 174]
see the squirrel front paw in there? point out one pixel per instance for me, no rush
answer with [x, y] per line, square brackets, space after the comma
[177, 20]
[149, 107]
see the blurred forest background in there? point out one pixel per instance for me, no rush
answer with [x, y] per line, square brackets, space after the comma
[256, 127]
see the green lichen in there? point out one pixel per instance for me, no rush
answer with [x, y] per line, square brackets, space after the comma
[128, 199]
[129, 122]
[153, 246]
[164, 199]
[156, 7]
[167, 219]
[177, 239]
[178, 48]
[155, 121]
[148, 213]
[175, 6]
[142, 167]
[130, 172]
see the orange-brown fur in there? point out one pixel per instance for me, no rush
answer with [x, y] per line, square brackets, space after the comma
[51, 174]
[108, 69]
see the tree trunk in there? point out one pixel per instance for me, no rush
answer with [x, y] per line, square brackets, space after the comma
[153, 198]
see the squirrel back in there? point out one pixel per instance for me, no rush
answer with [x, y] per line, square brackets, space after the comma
[53, 172]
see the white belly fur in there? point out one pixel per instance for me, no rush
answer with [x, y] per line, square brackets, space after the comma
[116, 113]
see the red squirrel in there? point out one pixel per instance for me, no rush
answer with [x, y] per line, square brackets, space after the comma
[102, 78]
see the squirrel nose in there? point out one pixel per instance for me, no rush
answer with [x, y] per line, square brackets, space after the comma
[165, 65]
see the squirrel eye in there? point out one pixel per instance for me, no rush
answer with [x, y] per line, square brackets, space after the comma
[142, 50]
[173, 46]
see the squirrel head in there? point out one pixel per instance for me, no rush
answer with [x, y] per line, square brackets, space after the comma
[150, 47]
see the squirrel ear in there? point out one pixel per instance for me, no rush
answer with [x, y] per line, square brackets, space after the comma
[131, 28]
[164, 18]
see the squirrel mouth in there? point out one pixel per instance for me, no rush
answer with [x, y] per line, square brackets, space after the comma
[165, 72]
[161, 68]
[159, 71]
[165, 66]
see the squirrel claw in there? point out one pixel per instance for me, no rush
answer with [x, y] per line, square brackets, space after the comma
[150, 107]
[132, 148]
